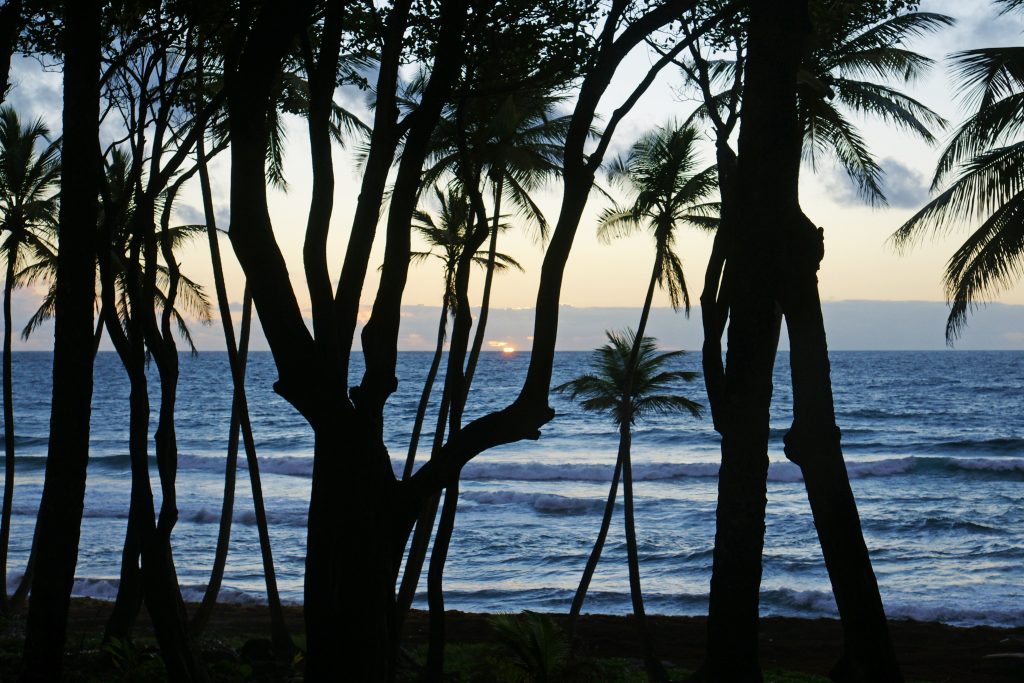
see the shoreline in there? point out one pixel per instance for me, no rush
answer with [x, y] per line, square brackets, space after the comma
[927, 651]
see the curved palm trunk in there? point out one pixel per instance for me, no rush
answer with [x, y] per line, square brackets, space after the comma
[428, 386]
[595, 553]
[202, 615]
[655, 669]
[446, 524]
[621, 461]
[435, 584]
[280, 637]
[121, 622]
[5, 515]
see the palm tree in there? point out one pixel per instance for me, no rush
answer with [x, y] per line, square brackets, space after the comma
[659, 172]
[629, 381]
[446, 240]
[981, 177]
[28, 206]
[834, 77]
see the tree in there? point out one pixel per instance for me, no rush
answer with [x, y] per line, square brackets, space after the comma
[355, 540]
[659, 173]
[767, 268]
[28, 209]
[447, 235]
[978, 179]
[60, 510]
[626, 383]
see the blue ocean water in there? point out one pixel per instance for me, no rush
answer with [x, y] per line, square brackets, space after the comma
[934, 443]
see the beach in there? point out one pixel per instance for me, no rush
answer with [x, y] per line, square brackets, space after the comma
[927, 651]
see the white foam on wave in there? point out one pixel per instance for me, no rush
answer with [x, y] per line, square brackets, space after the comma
[542, 502]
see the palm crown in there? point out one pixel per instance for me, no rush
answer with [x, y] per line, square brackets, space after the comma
[660, 172]
[605, 388]
[28, 182]
[981, 177]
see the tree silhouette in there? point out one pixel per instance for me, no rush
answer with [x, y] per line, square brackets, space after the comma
[28, 212]
[659, 172]
[978, 178]
[60, 510]
[627, 382]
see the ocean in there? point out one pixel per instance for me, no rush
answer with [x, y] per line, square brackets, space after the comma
[934, 443]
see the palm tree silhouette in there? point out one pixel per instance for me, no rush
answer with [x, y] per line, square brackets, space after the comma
[659, 172]
[629, 381]
[446, 239]
[981, 171]
[28, 213]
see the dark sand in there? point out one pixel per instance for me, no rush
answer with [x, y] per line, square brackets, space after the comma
[927, 651]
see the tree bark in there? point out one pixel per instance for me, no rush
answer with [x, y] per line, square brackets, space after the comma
[813, 443]
[428, 385]
[60, 512]
[5, 514]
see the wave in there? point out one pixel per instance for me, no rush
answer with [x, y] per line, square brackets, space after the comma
[541, 502]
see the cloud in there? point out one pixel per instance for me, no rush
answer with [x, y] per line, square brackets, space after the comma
[904, 187]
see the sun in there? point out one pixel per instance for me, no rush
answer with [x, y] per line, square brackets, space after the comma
[507, 349]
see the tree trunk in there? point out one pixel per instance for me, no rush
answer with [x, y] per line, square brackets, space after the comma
[60, 511]
[434, 671]
[595, 554]
[428, 385]
[349, 588]
[813, 443]
[121, 622]
[485, 299]
[655, 669]
[5, 515]
[280, 637]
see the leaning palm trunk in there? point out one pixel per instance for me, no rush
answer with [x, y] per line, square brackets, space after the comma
[623, 466]
[281, 639]
[205, 609]
[428, 387]
[5, 515]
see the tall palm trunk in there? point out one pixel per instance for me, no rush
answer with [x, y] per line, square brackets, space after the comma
[623, 466]
[220, 556]
[446, 524]
[128, 601]
[609, 507]
[428, 386]
[60, 509]
[5, 515]
[240, 410]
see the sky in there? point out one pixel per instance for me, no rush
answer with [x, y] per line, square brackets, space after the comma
[859, 264]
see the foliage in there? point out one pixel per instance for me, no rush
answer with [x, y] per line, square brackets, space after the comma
[660, 173]
[603, 389]
[539, 646]
[28, 184]
[979, 177]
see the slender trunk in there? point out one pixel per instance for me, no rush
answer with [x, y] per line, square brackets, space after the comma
[5, 515]
[121, 622]
[485, 299]
[60, 510]
[457, 389]
[281, 639]
[428, 385]
[434, 671]
[421, 534]
[595, 553]
[655, 669]
[813, 443]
